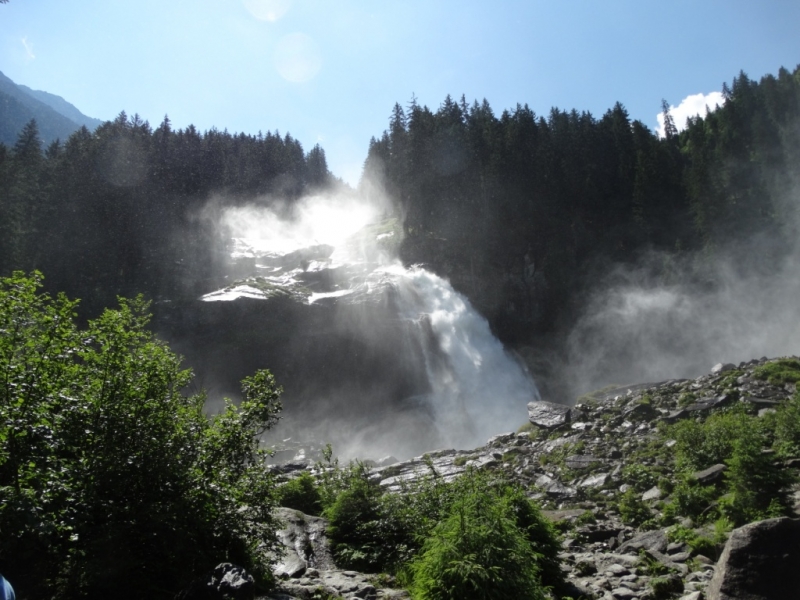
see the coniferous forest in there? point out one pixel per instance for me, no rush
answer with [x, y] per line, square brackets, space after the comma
[523, 212]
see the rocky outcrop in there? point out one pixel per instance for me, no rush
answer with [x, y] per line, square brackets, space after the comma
[306, 570]
[580, 469]
[761, 561]
[225, 582]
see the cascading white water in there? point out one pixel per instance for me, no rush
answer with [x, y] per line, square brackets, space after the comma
[475, 388]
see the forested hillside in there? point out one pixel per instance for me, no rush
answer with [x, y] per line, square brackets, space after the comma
[118, 211]
[524, 213]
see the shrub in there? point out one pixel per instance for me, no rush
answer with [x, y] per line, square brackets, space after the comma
[478, 551]
[778, 372]
[301, 493]
[757, 487]
[632, 509]
[787, 427]
[701, 445]
[113, 483]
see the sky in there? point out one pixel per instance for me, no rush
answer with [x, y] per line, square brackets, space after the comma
[329, 72]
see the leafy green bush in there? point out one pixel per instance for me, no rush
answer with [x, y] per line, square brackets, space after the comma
[301, 493]
[632, 509]
[690, 499]
[479, 551]
[757, 487]
[778, 372]
[113, 483]
[639, 477]
[787, 428]
[701, 445]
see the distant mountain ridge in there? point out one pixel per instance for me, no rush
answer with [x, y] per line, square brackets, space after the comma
[55, 117]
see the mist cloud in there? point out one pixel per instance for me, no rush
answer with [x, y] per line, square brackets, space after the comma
[637, 329]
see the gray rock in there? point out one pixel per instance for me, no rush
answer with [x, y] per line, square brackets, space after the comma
[553, 487]
[581, 461]
[761, 561]
[225, 582]
[652, 494]
[597, 480]
[710, 475]
[650, 540]
[305, 541]
[548, 414]
[722, 368]
[641, 412]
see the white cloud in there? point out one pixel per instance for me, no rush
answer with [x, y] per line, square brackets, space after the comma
[691, 106]
[28, 49]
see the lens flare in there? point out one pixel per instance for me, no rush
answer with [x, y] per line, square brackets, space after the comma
[267, 10]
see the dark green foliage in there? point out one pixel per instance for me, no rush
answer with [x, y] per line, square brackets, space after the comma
[787, 428]
[301, 493]
[701, 445]
[778, 372]
[757, 487]
[478, 551]
[632, 509]
[690, 499]
[755, 484]
[127, 182]
[374, 531]
[640, 477]
[113, 483]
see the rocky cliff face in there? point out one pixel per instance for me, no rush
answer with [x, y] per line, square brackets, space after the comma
[602, 469]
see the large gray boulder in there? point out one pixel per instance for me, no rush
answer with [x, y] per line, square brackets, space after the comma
[761, 561]
[548, 414]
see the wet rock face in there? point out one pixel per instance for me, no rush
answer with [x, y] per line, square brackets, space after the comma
[761, 561]
[548, 414]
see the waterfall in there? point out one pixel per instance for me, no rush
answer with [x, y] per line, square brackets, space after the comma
[415, 366]
[477, 389]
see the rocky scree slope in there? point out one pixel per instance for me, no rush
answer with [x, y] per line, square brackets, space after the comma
[637, 522]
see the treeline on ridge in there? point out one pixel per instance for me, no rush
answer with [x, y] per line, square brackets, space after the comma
[118, 211]
[522, 211]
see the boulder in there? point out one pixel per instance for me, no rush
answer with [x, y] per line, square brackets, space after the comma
[722, 368]
[710, 475]
[650, 541]
[548, 414]
[305, 543]
[225, 582]
[761, 561]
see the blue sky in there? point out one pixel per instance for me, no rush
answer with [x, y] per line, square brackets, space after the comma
[330, 71]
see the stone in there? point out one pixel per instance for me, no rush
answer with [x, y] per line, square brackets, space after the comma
[652, 494]
[304, 539]
[553, 487]
[548, 414]
[598, 480]
[641, 412]
[760, 561]
[225, 582]
[710, 475]
[650, 540]
[722, 368]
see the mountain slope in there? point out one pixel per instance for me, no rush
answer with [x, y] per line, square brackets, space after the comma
[61, 106]
[17, 107]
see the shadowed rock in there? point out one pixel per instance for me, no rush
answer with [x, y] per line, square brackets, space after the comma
[761, 561]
